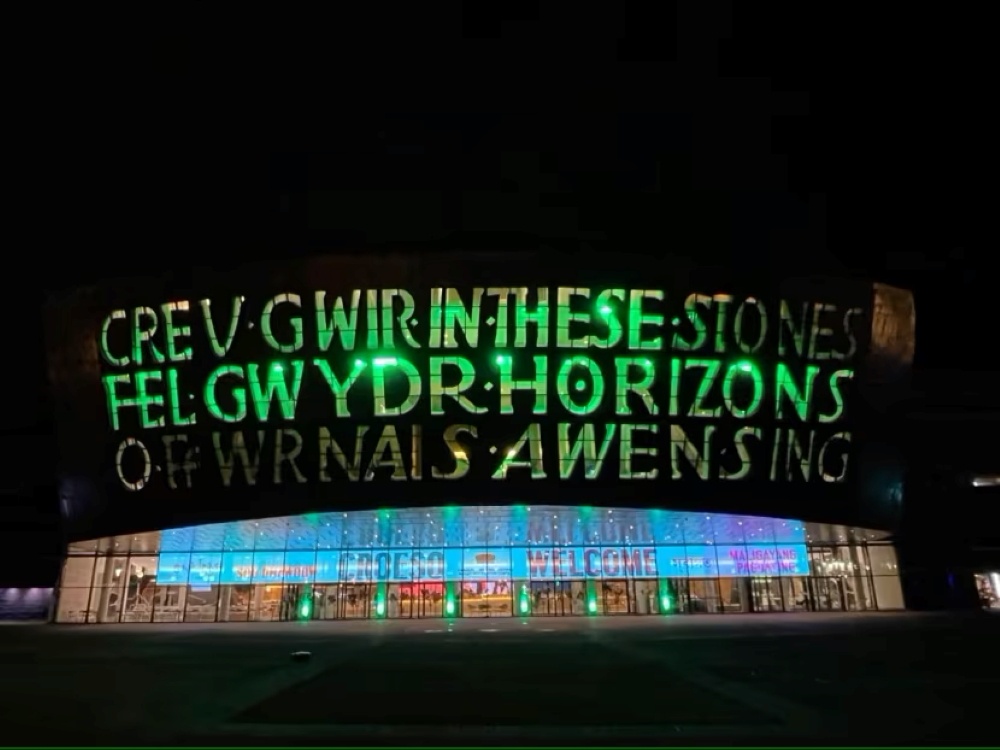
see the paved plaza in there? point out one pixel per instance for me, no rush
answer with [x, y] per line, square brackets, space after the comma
[832, 679]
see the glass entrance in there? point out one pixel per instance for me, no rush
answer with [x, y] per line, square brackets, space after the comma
[296, 602]
[415, 600]
[828, 594]
[324, 605]
[765, 595]
[558, 598]
[615, 597]
[355, 601]
[645, 596]
[487, 599]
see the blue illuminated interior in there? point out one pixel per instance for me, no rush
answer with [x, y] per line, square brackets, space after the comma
[502, 542]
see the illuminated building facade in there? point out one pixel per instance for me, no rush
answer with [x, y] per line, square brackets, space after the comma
[478, 562]
[309, 442]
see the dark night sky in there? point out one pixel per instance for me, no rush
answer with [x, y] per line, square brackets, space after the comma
[776, 138]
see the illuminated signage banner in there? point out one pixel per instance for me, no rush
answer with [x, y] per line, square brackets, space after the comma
[535, 563]
[491, 383]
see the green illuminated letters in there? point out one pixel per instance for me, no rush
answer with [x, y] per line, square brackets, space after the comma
[596, 385]
[298, 340]
[221, 349]
[142, 334]
[585, 444]
[467, 376]
[637, 319]
[641, 388]
[106, 354]
[338, 320]
[275, 384]
[378, 383]
[172, 331]
[565, 318]
[753, 372]
[508, 384]
[239, 394]
[338, 389]
[787, 387]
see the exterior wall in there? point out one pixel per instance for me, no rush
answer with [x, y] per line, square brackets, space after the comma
[477, 561]
[412, 380]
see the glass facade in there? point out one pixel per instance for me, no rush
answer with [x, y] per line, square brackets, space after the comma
[477, 561]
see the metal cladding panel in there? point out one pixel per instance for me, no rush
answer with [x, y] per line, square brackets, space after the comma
[411, 380]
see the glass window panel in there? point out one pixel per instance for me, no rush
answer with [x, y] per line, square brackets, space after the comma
[356, 565]
[168, 603]
[789, 532]
[139, 587]
[73, 605]
[77, 572]
[271, 534]
[237, 567]
[671, 561]
[148, 543]
[206, 569]
[239, 536]
[330, 531]
[89, 545]
[328, 566]
[300, 566]
[758, 530]
[704, 596]
[209, 537]
[201, 604]
[302, 532]
[74, 591]
[882, 559]
[268, 566]
[701, 560]
[733, 560]
[888, 592]
[177, 540]
[728, 529]
[173, 568]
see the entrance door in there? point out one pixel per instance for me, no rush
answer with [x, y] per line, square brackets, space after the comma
[827, 594]
[765, 595]
[487, 599]
[415, 600]
[428, 599]
[289, 607]
[324, 602]
[356, 600]
[675, 594]
[615, 596]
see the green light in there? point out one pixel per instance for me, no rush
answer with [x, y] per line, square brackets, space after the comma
[676, 321]
[580, 385]
[380, 608]
[449, 607]
[524, 606]
[745, 366]
[359, 363]
[502, 358]
[304, 610]
[605, 309]
[592, 606]
[277, 367]
[665, 603]
[383, 361]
